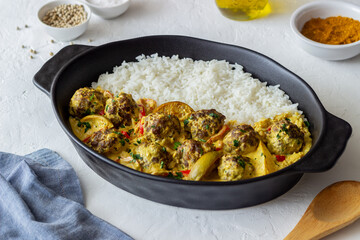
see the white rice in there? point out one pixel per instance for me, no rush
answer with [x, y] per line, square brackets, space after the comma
[201, 84]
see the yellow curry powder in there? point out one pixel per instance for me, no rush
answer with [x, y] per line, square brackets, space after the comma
[332, 30]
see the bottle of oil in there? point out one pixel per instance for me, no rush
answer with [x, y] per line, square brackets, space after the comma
[243, 10]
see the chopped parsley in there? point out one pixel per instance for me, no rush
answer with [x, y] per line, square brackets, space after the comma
[284, 128]
[207, 126]
[163, 149]
[202, 140]
[122, 126]
[152, 126]
[288, 119]
[178, 175]
[186, 121]
[162, 164]
[138, 141]
[169, 116]
[176, 145]
[107, 107]
[130, 131]
[86, 124]
[307, 123]
[136, 156]
[236, 143]
[242, 130]
[122, 142]
[91, 97]
[277, 136]
[241, 163]
[214, 115]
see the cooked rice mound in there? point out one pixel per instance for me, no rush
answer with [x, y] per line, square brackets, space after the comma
[200, 84]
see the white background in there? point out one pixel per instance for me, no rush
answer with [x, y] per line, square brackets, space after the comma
[27, 121]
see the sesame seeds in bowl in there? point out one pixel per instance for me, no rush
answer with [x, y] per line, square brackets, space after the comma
[64, 20]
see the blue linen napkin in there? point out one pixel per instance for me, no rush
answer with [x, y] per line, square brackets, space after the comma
[41, 198]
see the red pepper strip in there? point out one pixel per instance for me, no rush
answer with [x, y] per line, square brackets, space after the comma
[280, 158]
[219, 135]
[102, 112]
[186, 171]
[141, 129]
[218, 149]
[142, 111]
[125, 134]
[269, 129]
[86, 139]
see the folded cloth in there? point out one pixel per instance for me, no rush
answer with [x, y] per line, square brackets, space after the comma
[41, 198]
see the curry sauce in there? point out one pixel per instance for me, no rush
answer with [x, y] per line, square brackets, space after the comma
[173, 140]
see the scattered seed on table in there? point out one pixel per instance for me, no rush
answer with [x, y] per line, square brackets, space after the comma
[22, 46]
[31, 57]
[51, 53]
[71, 43]
[17, 28]
[89, 40]
[26, 26]
[52, 41]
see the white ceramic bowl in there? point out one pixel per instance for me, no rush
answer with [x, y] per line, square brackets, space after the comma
[324, 9]
[108, 12]
[63, 34]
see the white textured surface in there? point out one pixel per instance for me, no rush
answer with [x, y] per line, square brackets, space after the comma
[28, 123]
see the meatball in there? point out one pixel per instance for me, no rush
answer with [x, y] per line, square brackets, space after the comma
[203, 124]
[284, 137]
[87, 101]
[159, 126]
[234, 167]
[104, 141]
[190, 151]
[152, 156]
[242, 139]
[121, 109]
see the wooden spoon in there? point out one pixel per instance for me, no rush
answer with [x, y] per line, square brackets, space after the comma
[335, 207]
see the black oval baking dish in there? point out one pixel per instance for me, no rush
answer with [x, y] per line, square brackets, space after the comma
[77, 66]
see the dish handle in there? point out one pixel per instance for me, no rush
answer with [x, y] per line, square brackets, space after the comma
[44, 78]
[326, 154]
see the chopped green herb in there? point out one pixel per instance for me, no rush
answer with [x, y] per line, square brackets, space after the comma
[128, 150]
[130, 131]
[241, 163]
[118, 133]
[186, 121]
[135, 144]
[202, 140]
[86, 124]
[191, 117]
[277, 136]
[169, 116]
[214, 115]
[207, 126]
[88, 112]
[107, 107]
[261, 154]
[242, 130]
[122, 142]
[91, 97]
[152, 126]
[236, 143]
[163, 149]
[113, 100]
[178, 175]
[127, 140]
[284, 128]
[122, 126]
[162, 164]
[138, 141]
[307, 123]
[176, 145]
[288, 119]
[136, 156]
